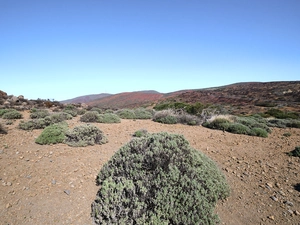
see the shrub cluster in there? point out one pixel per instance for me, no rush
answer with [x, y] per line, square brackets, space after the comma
[52, 134]
[279, 114]
[139, 113]
[283, 123]
[84, 135]
[193, 109]
[10, 114]
[38, 113]
[140, 133]
[108, 118]
[44, 122]
[95, 117]
[239, 125]
[158, 179]
[169, 116]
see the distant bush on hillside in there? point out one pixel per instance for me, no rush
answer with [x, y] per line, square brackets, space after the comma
[167, 116]
[159, 179]
[85, 135]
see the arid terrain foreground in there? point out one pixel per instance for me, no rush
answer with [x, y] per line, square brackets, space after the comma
[55, 184]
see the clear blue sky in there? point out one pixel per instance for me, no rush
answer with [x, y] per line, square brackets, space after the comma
[61, 49]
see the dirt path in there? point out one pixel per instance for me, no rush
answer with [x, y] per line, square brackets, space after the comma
[56, 184]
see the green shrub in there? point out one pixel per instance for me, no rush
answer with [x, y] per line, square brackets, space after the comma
[142, 113]
[126, 114]
[2, 129]
[140, 133]
[12, 114]
[39, 113]
[90, 117]
[218, 123]
[84, 135]
[72, 112]
[253, 122]
[238, 128]
[59, 117]
[81, 111]
[158, 179]
[97, 110]
[280, 123]
[3, 111]
[108, 118]
[165, 116]
[259, 132]
[33, 124]
[288, 134]
[293, 123]
[277, 113]
[52, 134]
[295, 152]
[188, 119]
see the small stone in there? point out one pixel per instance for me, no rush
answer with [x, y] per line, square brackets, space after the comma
[291, 211]
[289, 203]
[269, 185]
[271, 217]
[297, 212]
[277, 185]
[274, 198]
[67, 192]
[8, 183]
[8, 205]
[53, 181]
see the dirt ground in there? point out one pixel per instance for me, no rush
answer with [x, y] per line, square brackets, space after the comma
[55, 184]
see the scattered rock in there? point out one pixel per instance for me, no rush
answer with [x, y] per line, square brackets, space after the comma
[274, 198]
[68, 192]
[271, 217]
[288, 203]
[8, 205]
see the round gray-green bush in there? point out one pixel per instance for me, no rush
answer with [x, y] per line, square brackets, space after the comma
[158, 179]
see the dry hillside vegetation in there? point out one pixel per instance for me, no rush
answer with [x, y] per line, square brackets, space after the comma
[55, 184]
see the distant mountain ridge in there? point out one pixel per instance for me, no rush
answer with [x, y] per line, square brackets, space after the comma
[85, 98]
[246, 96]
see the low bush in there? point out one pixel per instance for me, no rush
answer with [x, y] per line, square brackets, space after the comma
[188, 119]
[2, 129]
[52, 134]
[3, 111]
[259, 132]
[72, 112]
[108, 118]
[279, 114]
[142, 113]
[96, 109]
[165, 116]
[81, 111]
[90, 117]
[280, 123]
[39, 113]
[140, 133]
[295, 152]
[218, 123]
[85, 135]
[33, 124]
[238, 128]
[158, 179]
[293, 123]
[12, 114]
[126, 114]
[59, 117]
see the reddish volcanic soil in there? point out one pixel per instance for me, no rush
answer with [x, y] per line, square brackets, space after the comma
[55, 184]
